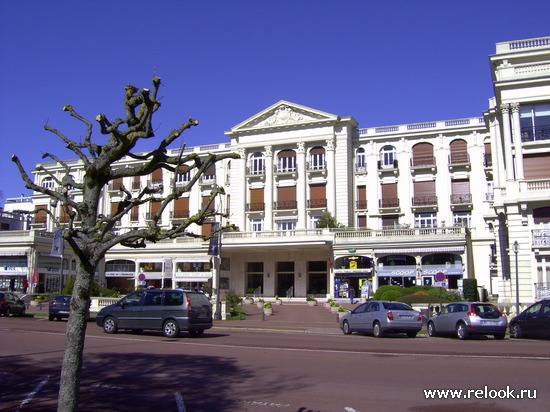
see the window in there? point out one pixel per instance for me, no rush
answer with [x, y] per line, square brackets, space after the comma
[153, 299]
[288, 225]
[425, 220]
[257, 165]
[256, 225]
[535, 122]
[173, 299]
[462, 219]
[286, 161]
[48, 183]
[317, 158]
[360, 165]
[184, 174]
[313, 221]
[387, 157]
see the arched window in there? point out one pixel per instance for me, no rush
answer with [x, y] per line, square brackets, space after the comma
[48, 182]
[317, 158]
[256, 164]
[286, 161]
[388, 157]
[360, 165]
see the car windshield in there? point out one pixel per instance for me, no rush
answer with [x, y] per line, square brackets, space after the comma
[396, 306]
[198, 299]
[486, 311]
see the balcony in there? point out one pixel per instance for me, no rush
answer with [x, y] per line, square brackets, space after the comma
[424, 202]
[317, 203]
[179, 215]
[279, 170]
[542, 291]
[530, 135]
[426, 163]
[285, 205]
[149, 216]
[463, 200]
[388, 205]
[541, 237]
[115, 186]
[207, 180]
[316, 168]
[459, 161]
[361, 205]
[388, 168]
[255, 207]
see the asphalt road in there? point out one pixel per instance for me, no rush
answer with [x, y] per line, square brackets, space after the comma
[271, 369]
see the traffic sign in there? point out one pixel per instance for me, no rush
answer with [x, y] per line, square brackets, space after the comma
[141, 277]
[440, 280]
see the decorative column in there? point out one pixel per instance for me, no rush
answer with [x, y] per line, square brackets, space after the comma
[301, 186]
[268, 188]
[331, 180]
[507, 141]
[240, 209]
[516, 127]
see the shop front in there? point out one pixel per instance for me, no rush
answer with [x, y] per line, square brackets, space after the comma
[352, 276]
[194, 273]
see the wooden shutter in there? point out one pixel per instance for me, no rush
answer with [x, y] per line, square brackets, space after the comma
[361, 193]
[41, 216]
[117, 183]
[389, 191]
[459, 151]
[460, 187]
[361, 221]
[536, 166]
[206, 229]
[156, 176]
[181, 207]
[424, 189]
[134, 214]
[423, 154]
[155, 206]
[318, 191]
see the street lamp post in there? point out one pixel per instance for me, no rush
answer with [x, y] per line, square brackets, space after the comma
[515, 248]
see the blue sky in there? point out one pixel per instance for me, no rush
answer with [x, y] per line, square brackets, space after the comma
[222, 61]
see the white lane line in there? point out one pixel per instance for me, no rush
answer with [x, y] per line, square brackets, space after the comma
[179, 402]
[31, 395]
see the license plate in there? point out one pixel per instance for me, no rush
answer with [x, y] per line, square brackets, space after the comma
[63, 312]
[488, 323]
[407, 317]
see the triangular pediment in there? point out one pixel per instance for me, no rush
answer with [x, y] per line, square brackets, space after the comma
[284, 114]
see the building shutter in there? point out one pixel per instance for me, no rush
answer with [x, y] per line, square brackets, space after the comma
[536, 166]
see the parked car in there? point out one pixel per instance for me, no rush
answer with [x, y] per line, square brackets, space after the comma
[381, 317]
[59, 307]
[464, 319]
[532, 322]
[10, 303]
[167, 310]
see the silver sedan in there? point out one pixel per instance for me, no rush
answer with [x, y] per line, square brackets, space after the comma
[380, 317]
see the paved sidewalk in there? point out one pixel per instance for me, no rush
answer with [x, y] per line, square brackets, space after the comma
[290, 316]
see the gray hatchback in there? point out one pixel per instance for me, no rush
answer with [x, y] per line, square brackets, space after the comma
[167, 310]
[468, 318]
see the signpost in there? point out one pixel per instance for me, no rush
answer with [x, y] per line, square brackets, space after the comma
[440, 282]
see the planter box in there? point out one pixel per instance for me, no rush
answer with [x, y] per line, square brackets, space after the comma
[278, 302]
[268, 311]
[312, 302]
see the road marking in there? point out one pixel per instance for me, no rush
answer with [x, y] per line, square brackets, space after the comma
[179, 402]
[31, 395]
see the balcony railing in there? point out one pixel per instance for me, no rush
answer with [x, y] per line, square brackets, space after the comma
[316, 166]
[424, 201]
[389, 202]
[461, 199]
[285, 205]
[530, 135]
[459, 159]
[422, 161]
[179, 214]
[255, 207]
[316, 203]
[542, 291]
[541, 237]
[361, 205]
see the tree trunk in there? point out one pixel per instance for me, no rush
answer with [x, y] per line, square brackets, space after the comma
[69, 386]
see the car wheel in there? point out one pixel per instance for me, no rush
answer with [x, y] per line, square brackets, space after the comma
[51, 318]
[110, 325]
[171, 328]
[411, 334]
[377, 330]
[196, 333]
[515, 331]
[462, 331]
[499, 336]
[431, 330]
[346, 328]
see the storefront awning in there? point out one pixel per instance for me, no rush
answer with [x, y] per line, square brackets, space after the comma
[442, 249]
[197, 259]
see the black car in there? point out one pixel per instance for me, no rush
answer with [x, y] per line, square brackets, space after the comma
[60, 307]
[11, 303]
[532, 322]
[167, 310]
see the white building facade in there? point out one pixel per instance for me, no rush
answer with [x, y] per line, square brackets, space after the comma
[444, 197]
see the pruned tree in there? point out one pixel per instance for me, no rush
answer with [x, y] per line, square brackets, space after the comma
[93, 236]
[328, 221]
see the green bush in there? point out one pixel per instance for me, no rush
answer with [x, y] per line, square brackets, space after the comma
[471, 293]
[385, 288]
[233, 298]
[391, 295]
[96, 290]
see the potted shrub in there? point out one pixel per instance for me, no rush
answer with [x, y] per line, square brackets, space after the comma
[278, 301]
[260, 303]
[342, 311]
[37, 300]
[333, 307]
[311, 301]
[248, 300]
[268, 309]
